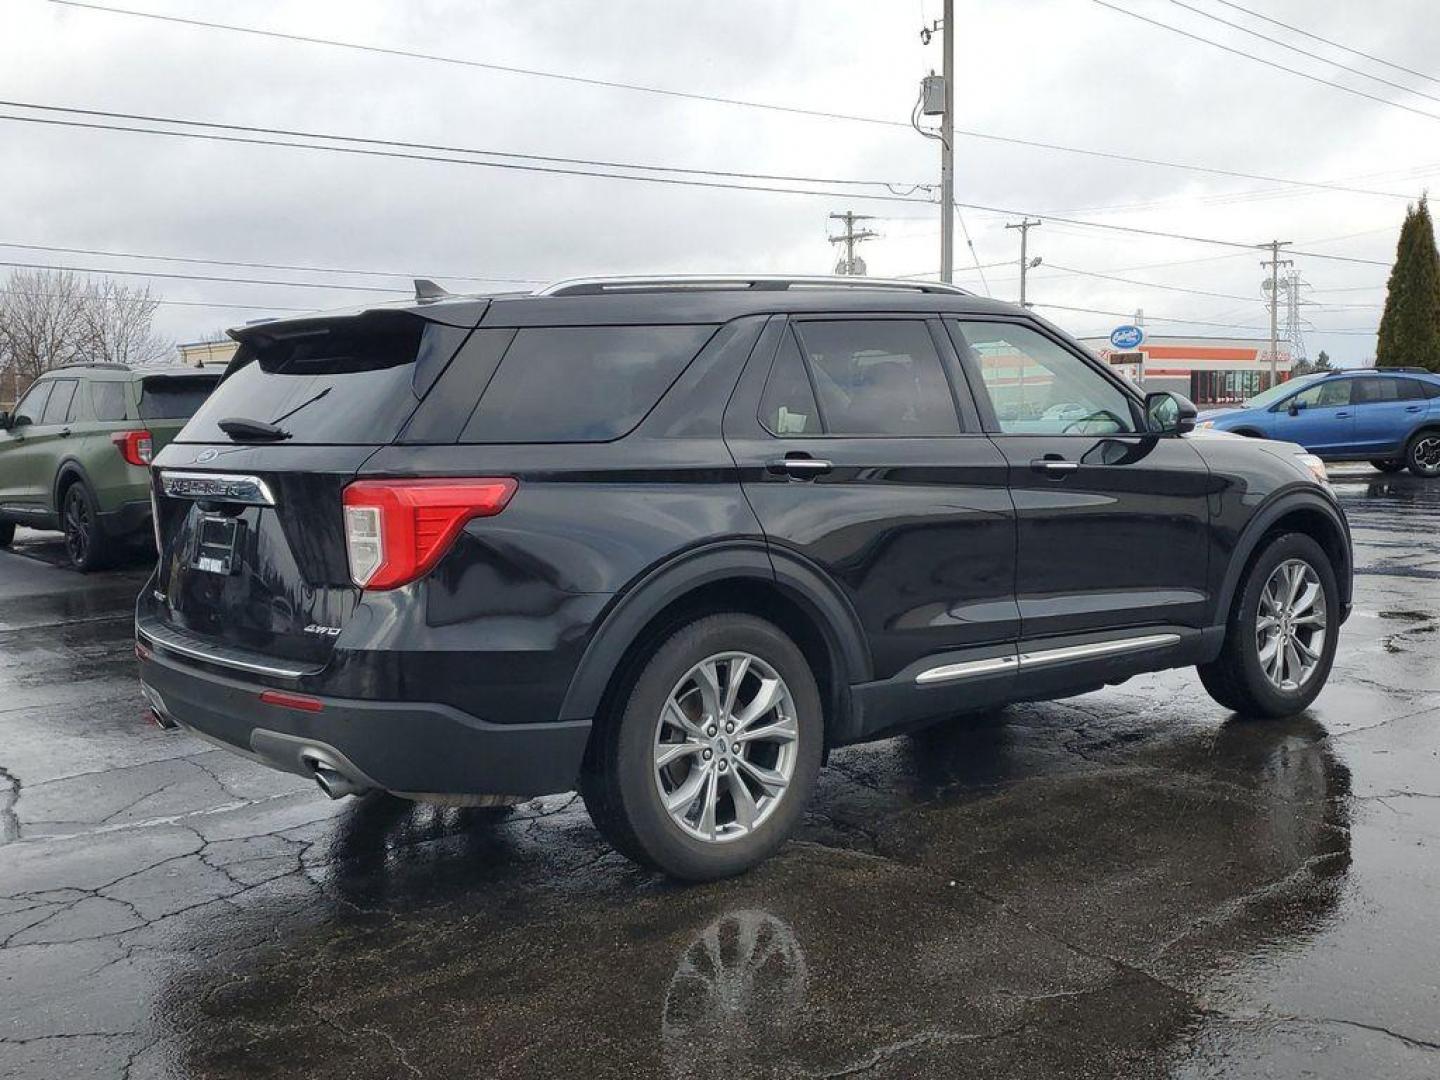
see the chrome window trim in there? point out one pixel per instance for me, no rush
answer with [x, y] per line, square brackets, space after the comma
[262, 495]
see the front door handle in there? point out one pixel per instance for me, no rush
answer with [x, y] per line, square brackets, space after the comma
[1342, 415]
[1054, 466]
[65, 433]
[1414, 408]
[799, 468]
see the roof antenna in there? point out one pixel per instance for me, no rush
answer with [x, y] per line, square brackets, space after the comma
[425, 289]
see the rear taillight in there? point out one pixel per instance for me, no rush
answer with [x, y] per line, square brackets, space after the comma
[136, 447]
[396, 530]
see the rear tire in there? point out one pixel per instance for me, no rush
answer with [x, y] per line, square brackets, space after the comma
[1389, 465]
[1281, 634]
[7, 533]
[731, 706]
[85, 541]
[1422, 456]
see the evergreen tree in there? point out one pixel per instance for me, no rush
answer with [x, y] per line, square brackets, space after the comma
[1322, 362]
[1410, 326]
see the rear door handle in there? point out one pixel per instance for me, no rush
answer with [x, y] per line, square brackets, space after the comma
[65, 433]
[799, 468]
[1054, 466]
[1341, 415]
[1414, 408]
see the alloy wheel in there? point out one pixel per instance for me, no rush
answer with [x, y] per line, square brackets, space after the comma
[77, 526]
[1290, 625]
[1427, 454]
[725, 746]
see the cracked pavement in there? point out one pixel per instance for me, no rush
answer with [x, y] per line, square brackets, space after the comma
[1129, 883]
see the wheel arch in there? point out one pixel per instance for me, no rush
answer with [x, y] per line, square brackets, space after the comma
[69, 471]
[1306, 512]
[745, 578]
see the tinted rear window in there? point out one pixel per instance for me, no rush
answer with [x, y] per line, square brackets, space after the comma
[108, 400]
[172, 398]
[581, 383]
[346, 381]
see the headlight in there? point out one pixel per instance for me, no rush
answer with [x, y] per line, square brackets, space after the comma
[1315, 467]
[1203, 424]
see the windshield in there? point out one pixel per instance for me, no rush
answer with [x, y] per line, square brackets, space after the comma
[1279, 390]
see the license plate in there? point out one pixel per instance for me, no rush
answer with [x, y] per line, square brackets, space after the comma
[218, 539]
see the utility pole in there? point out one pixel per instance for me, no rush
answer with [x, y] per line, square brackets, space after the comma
[849, 264]
[937, 98]
[1272, 287]
[1026, 264]
[947, 148]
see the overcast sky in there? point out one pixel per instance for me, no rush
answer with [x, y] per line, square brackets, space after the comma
[1061, 71]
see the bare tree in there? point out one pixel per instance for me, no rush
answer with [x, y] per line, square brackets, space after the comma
[41, 322]
[49, 318]
[118, 324]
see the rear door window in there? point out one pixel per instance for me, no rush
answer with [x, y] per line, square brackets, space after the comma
[1375, 391]
[878, 377]
[788, 406]
[172, 397]
[581, 383]
[57, 409]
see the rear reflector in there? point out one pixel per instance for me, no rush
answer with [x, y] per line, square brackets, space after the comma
[136, 447]
[291, 701]
[397, 530]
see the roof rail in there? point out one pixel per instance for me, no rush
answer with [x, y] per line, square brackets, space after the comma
[1396, 370]
[597, 286]
[105, 365]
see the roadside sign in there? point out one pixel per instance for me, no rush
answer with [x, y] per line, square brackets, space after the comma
[1127, 337]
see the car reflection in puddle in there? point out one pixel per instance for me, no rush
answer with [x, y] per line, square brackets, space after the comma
[1027, 899]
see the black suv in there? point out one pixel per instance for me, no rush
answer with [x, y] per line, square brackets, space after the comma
[672, 540]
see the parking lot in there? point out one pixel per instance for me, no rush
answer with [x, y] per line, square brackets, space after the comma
[1128, 883]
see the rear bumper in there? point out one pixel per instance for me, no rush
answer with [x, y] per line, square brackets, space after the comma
[412, 748]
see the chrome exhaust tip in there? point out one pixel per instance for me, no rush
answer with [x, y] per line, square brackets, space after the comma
[331, 780]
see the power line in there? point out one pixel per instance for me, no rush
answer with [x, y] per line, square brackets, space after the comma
[1193, 322]
[1149, 284]
[245, 140]
[1326, 41]
[260, 265]
[362, 152]
[1303, 52]
[175, 303]
[716, 99]
[1259, 60]
[442, 148]
[206, 277]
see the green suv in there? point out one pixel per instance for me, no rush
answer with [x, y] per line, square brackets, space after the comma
[75, 453]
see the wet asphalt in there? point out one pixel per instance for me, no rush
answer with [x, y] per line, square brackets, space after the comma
[1132, 883]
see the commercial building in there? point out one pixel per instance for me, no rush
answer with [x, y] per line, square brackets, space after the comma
[206, 353]
[1208, 370]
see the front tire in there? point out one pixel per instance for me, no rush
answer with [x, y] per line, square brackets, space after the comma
[1389, 465]
[705, 766]
[1422, 456]
[85, 541]
[1281, 634]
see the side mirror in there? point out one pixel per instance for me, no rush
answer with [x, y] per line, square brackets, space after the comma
[4, 420]
[1168, 414]
[17, 420]
[1295, 406]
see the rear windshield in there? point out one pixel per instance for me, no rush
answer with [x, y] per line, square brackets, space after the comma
[581, 383]
[340, 382]
[170, 398]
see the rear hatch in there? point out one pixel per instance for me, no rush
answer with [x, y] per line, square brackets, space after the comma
[167, 401]
[253, 560]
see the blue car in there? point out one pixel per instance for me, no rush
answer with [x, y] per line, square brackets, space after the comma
[1389, 417]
